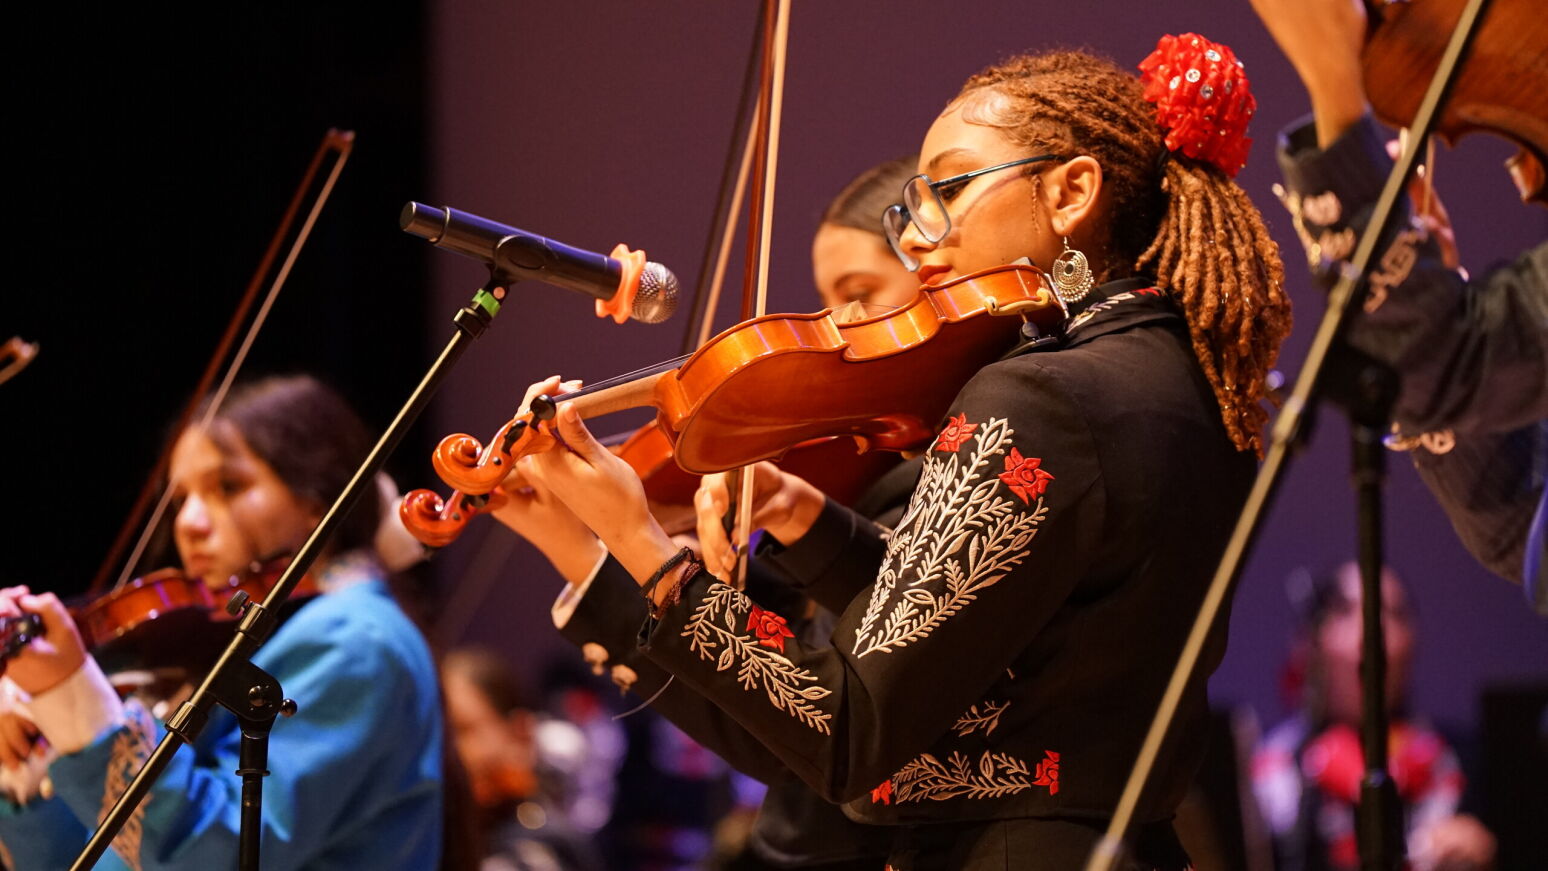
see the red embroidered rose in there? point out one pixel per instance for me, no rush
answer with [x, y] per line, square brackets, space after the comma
[1202, 99]
[1048, 772]
[1024, 477]
[769, 627]
[882, 794]
[955, 432]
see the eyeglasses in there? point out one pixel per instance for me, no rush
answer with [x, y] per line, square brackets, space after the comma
[923, 206]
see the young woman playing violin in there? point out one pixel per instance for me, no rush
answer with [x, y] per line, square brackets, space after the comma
[1000, 652]
[856, 272]
[356, 773]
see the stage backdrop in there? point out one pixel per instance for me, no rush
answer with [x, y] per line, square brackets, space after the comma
[596, 123]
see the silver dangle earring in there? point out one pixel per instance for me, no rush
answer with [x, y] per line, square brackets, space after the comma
[1072, 275]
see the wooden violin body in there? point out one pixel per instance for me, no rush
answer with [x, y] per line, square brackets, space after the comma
[780, 380]
[1502, 87]
[761, 387]
[169, 619]
[832, 465]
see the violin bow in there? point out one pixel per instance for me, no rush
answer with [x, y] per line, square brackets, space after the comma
[337, 142]
[755, 285]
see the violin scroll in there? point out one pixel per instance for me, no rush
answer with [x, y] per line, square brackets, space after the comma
[437, 522]
[466, 465]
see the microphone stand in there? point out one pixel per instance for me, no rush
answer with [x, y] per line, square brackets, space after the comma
[253, 695]
[1380, 828]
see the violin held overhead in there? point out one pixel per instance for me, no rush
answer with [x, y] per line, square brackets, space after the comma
[765, 385]
[1502, 88]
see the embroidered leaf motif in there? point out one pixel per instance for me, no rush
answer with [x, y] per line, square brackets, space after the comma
[713, 627]
[987, 719]
[928, 779]
[960, 535]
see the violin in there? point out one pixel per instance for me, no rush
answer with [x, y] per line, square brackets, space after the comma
[759, 388]
[162, 619]
[1502, 87]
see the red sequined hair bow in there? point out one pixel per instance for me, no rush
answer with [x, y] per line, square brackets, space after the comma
[1202, 99]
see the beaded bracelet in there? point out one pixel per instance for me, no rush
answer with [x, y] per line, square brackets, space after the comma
[676, 592]
[650, 585]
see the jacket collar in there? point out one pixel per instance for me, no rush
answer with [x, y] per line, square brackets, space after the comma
[1109, 307]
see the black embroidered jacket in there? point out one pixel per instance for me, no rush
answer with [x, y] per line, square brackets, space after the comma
[795, 827]
[1001, 653]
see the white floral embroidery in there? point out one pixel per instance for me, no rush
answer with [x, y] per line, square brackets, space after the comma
[987, 720]
[929, 779]
[959, 528]
[716, 626]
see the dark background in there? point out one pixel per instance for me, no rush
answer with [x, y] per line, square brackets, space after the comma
[153, 154]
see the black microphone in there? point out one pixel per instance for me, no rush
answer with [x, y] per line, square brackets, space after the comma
[516, 254]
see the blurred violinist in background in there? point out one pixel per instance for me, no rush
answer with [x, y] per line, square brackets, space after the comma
[356, 774]
[851, 260]
[1307, 770]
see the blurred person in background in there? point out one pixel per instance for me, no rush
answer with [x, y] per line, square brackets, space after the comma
[1307, 770]
[501, 740]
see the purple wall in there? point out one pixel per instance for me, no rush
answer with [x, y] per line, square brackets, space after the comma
[599, 122]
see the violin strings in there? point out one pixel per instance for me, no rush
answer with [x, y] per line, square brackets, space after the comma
[652, 369]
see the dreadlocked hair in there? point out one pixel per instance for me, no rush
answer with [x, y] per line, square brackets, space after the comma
[1181, 220]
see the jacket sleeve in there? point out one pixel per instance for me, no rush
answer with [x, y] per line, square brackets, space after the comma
[834, 562]
[1472, 355]
[608, 614]
[1004, 522]
[43, 834]
[355, 691]
[1482, 483]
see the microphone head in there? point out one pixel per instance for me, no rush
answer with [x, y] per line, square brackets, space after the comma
[657, 296]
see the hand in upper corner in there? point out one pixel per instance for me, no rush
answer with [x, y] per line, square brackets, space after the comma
[1322, 39]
